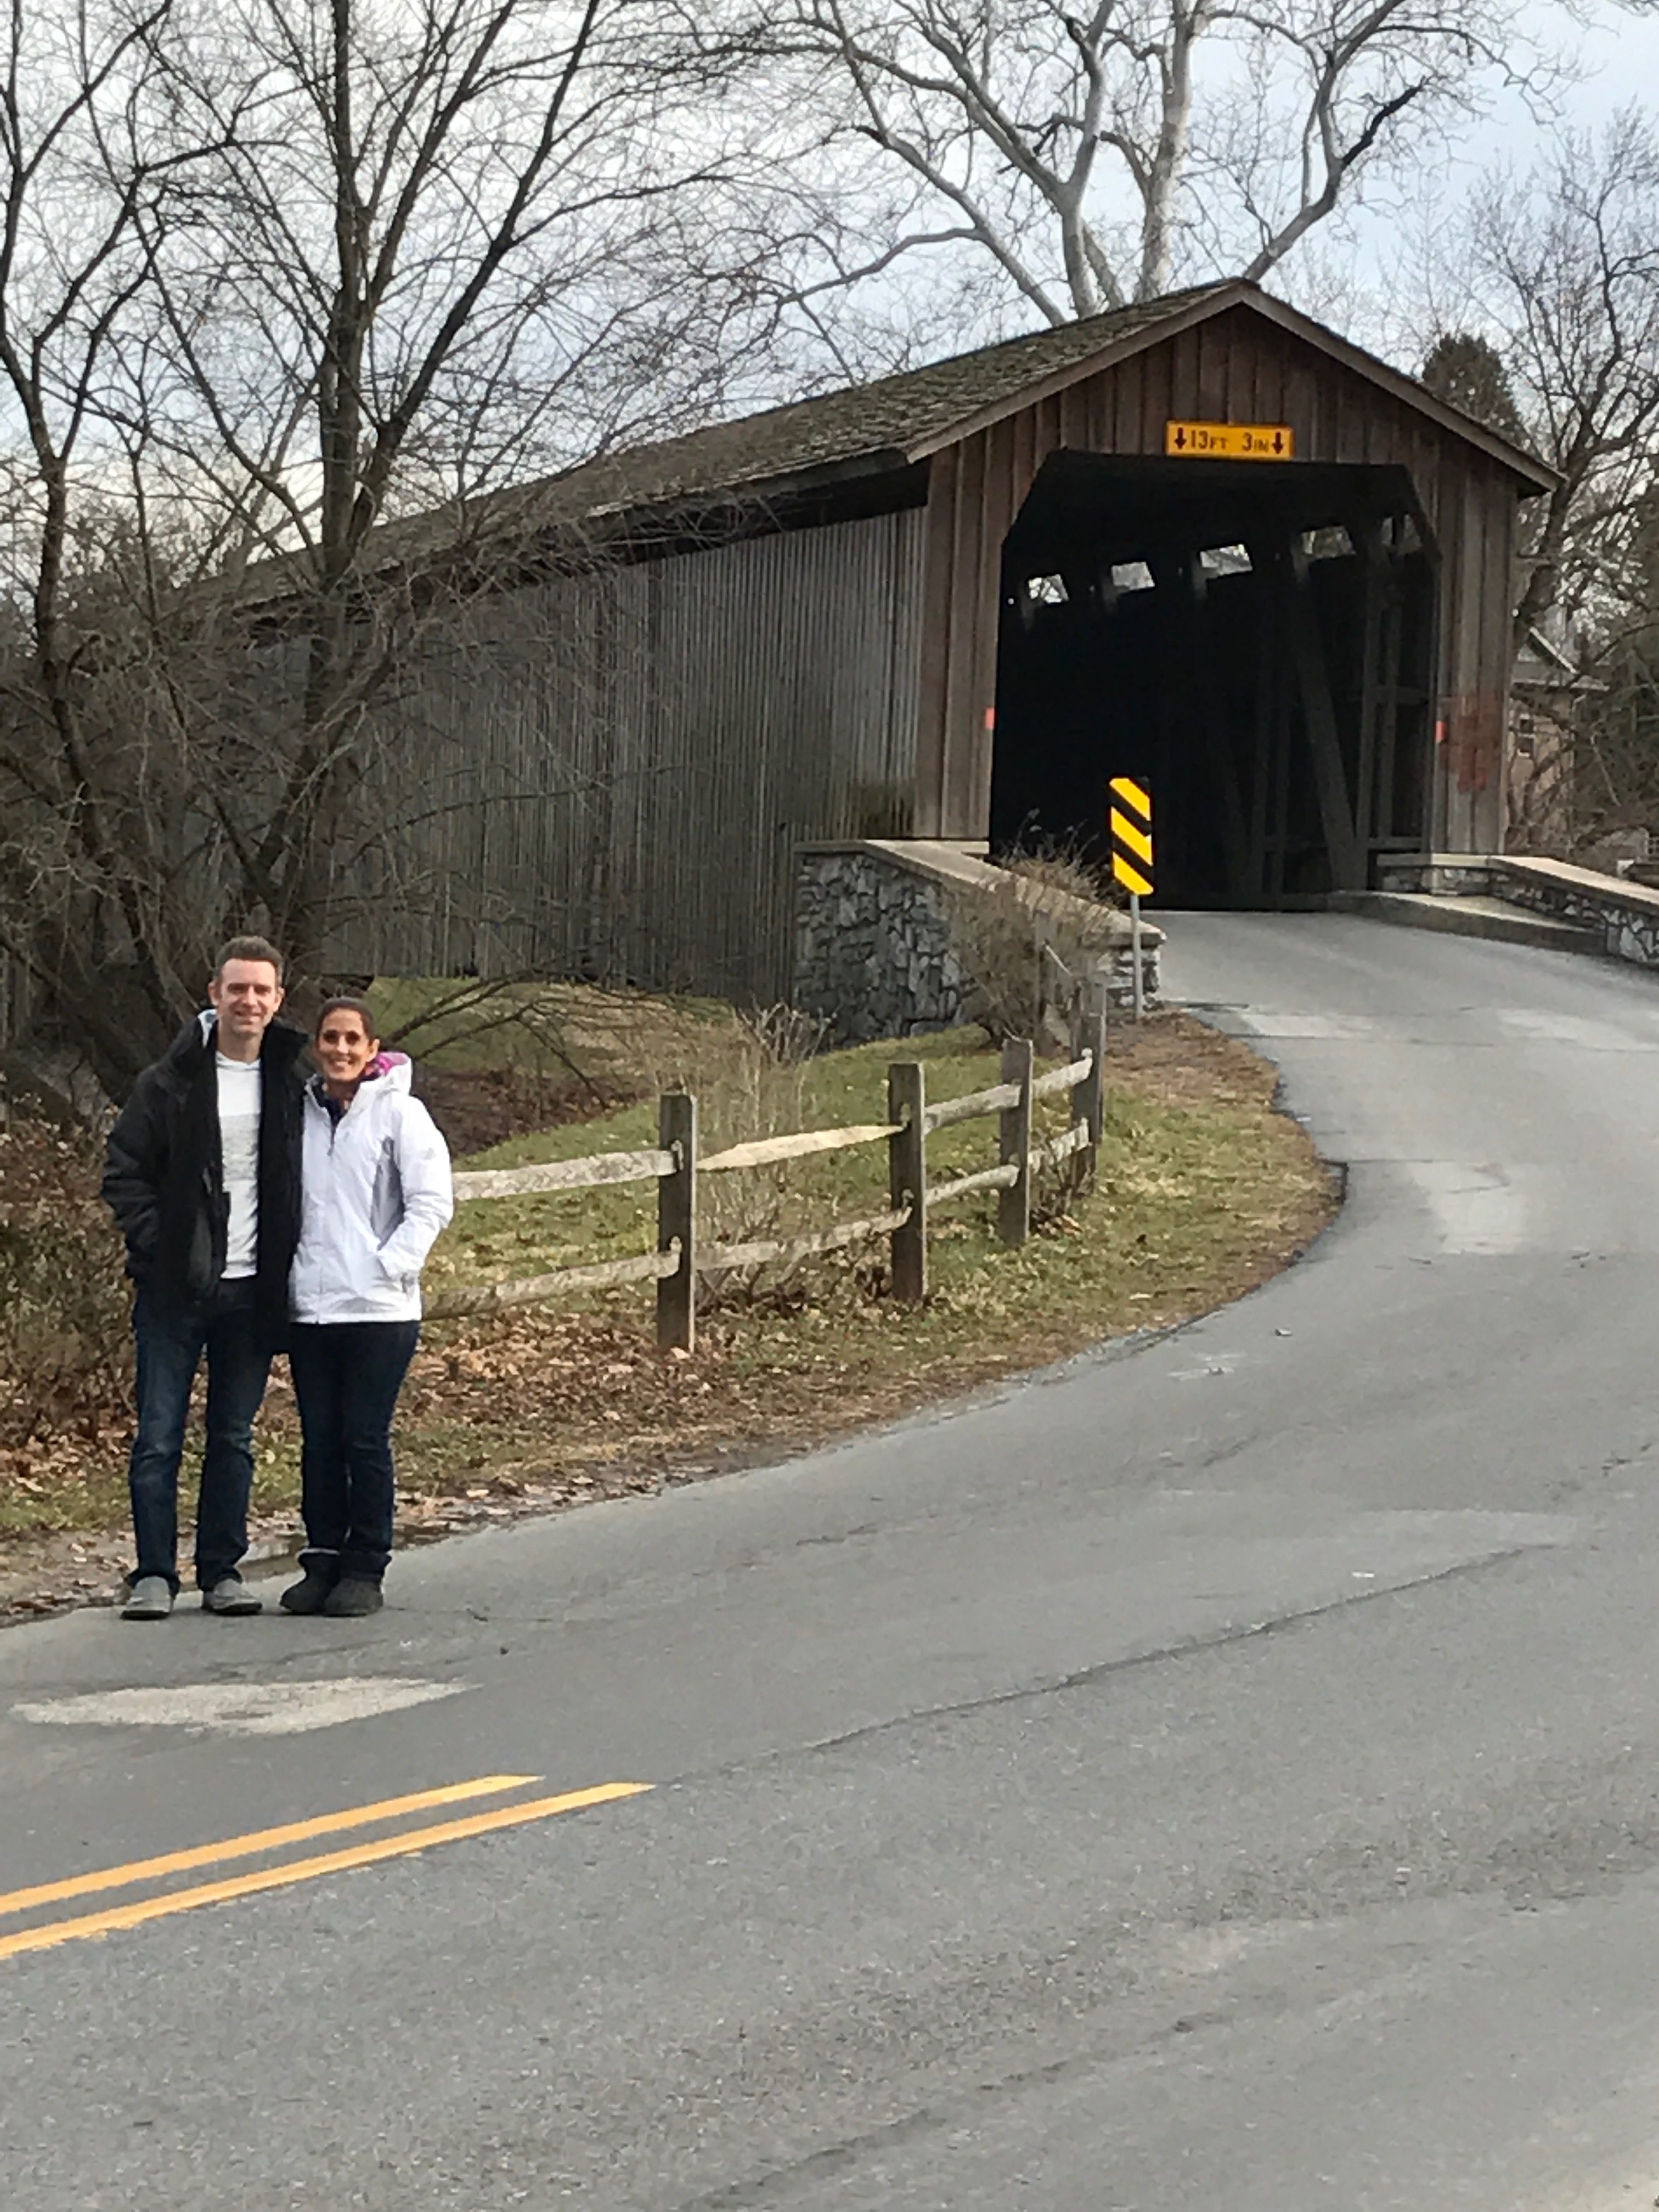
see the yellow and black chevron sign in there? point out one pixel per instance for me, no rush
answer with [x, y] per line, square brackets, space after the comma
[1132, 834]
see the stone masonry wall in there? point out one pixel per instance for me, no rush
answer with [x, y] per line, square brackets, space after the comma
[874, 955]
[1624, 916]
[1628, 927]
[872, 949]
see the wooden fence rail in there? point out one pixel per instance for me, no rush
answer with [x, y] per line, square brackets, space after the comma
[588, 1174]
[679, 1261]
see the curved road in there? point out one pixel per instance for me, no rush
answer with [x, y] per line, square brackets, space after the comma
[1223, 1774]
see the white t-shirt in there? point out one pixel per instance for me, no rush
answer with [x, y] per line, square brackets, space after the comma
[239, 1150]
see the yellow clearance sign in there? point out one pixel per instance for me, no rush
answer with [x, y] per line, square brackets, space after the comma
[1132, 834]
[1229, 441]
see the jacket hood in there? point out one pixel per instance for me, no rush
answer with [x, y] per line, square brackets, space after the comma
[396, 1070]
[192, 1040]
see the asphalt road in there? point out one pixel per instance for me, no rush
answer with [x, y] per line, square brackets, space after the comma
[1223, 1773]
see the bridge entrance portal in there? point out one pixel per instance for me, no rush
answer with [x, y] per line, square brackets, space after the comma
[1256, 638]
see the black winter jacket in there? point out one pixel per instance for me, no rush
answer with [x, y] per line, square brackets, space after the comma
[164, 1179]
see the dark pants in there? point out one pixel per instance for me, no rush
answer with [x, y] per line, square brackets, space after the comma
[170, 1342]
[347, 1376]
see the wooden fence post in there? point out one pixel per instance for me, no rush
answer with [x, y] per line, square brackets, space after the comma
[906, 1177]
[676, 1219]
[1091, 1037]
[1014, 1146]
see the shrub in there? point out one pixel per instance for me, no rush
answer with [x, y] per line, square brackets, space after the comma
[1051, 899]
[65, 1354]
[749, 1077]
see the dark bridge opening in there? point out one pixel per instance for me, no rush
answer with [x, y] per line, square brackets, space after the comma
[1256, 638]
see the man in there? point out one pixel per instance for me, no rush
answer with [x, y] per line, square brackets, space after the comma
[203, 1177]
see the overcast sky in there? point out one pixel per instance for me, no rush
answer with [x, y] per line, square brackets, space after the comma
[1619, 51]
[1616, 51]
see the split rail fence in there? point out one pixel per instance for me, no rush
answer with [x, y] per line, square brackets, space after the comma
[673, 1164]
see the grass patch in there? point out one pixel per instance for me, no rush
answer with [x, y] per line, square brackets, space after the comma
[532, 1028]
[1204, 1191]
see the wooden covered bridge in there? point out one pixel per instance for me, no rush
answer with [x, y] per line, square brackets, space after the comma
[951, 604]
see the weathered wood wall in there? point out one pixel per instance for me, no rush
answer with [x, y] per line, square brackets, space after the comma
[611, 775]
[1236, 368]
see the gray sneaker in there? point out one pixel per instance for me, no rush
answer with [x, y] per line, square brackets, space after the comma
[150, 1598]
[230, 1594]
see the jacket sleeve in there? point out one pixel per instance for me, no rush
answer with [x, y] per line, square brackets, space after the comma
[135, 1165]
[429, 1194]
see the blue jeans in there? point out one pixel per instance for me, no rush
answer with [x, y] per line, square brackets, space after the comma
[347, 1376]
[170, 1342]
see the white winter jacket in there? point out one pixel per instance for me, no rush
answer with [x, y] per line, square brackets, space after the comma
[376, 1193]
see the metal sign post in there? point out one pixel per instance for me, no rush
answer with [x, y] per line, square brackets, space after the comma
[1132, 860]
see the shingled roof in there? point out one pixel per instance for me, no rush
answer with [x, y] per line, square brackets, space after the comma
[894, 419]
[875, 428]
[898, 420]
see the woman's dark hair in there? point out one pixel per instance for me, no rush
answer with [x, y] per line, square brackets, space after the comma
[361, 1007]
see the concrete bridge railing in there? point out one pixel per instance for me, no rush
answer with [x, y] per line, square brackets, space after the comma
[1623, 916]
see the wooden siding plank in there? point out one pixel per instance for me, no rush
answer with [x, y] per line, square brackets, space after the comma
[1026, 459]
[944, 497]
[1128, 386]
[1156, 399]
[1098, 404]
[1211, 355]
[1186, 399]
[1301, 407]
[967, 628]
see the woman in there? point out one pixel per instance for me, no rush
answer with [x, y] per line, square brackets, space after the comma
[376, 1193]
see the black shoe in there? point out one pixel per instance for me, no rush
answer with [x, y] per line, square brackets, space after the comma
[309, 1595]
[351, 1595]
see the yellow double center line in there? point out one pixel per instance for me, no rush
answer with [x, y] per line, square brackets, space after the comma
[45, 1937]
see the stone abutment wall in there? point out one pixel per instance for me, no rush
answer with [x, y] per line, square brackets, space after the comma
[876, 955]
[1624, 916]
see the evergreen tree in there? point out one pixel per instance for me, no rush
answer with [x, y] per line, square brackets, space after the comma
[1464, 369]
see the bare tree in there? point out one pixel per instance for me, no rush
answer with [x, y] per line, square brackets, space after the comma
[1563, 266]
[84, 163]
[288, 292]
[1099, 156]
[1548, 299]
[447, 250]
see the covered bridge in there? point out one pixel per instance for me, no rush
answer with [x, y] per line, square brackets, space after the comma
[950, 604]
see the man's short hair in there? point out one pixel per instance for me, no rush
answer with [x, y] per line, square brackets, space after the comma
[248, 948]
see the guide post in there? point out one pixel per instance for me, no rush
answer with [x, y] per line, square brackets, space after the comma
[1132, 859]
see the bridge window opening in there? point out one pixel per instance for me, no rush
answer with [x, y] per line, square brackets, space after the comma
[1257, 641]
[1046, 591]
